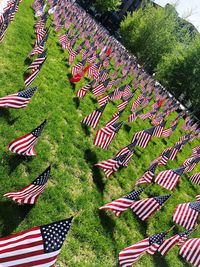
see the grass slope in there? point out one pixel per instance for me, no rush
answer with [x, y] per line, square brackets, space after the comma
[96, 237]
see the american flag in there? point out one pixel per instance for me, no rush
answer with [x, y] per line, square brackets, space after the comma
[178, 239]
[18, 100]
[148, 176]
[72, 55]
[112, 165]
[64, 41]
[123, 203]
[134, 116]
[105, 135]
[129, 255]
[83, 91]
[168, 132]
[25, 144]
[196, 151]
[93, 118]
[159, 129]
[104, 100]
[78, 67]
[143, 137]
[38, 246]
[163, 159]
[190, 251]
[192, 164]
[146, 207]
[169, 178]
[197, 197]
[35, 68]
[30, 193]
[114, 118]
[186, 214]
[175, 150]
[195, 178]
[101, 88]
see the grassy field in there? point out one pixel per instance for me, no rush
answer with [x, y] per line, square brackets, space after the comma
[96, 237]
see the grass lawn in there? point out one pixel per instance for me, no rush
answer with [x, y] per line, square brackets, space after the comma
[96, 237]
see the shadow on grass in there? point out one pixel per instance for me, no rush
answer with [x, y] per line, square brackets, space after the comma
[91, 159]
[13, 216]
[76, 101]
[86, 129]
[164, 141]
[109, 226]
[185, 263]
[159, 261]
[93, 100]
[127, 128]
[5, 114]
[14, 161]
[27, 61]
[142, 226]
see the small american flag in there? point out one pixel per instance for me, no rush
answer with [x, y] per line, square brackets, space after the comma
[192, 164]
[169, 178]
[195, 178]
[143, 137]
[30, 193]
[146, 207]
[134, 116]
[197, 197]
[168, 132]
[105, 135]
[129, 255]
[18, 100]
[190, 251]
[123, 203]
[78, 67]
[178, 239]
[38, 246]
[93, 118]
[25, 144]
[186, 214]
[101, 88]
[148, 176]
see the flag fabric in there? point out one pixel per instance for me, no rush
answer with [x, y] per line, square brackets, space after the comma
[35, 68]
[93, 118]
[165, 156]
[190, 251]
[78, 67]
[143, 137]
[134, 116]
[178, 239]
[197, 197]
[175, 150]
[100, 89]
[105, 135]
[129, 255]
[192, 164]
[121, 204]
[195, 178]
[146, 207]
[186, 214]
[30, 193]
[25, 145]
[112, 165]
[168, 132]
[17, 100]
[38, 246]
[169, 178]
[148, 176]
[159, 129]
[83, 91]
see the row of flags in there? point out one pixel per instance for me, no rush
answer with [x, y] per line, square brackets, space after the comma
[7, 16]
[38, 246]
[100, 84]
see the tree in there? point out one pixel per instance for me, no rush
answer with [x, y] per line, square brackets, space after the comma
[179, 71]
[107, 5]
[150, 34]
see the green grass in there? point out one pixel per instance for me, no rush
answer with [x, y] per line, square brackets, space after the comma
[96, 237]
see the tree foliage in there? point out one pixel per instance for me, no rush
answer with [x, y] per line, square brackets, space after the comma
[165, 44]
[108, 5]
